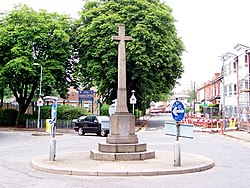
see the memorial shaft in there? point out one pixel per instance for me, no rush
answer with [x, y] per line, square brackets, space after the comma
[122, 91]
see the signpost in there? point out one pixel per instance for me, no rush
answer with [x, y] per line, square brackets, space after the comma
[39, 104]
[178, 113]
[52, 153]
[86, 95]
[133, 101]
[40, 101]
[185, 130]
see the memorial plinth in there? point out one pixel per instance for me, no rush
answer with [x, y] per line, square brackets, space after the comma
[123, 131]
[122, 142]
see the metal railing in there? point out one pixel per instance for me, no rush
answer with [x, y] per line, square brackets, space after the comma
[60, 124]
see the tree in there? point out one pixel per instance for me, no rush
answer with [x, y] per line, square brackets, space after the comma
[192, 95]
[1, 97]
[153, 57]
[28, 37]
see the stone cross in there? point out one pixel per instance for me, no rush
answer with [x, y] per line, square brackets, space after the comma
[122, 142]
[122, 91]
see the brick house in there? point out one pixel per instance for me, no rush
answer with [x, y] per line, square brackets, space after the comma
[210, 93]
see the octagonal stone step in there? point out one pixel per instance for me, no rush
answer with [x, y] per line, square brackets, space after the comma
[122, 148]
[97, 155]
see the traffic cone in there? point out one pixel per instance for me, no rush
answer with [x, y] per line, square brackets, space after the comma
[222, 127]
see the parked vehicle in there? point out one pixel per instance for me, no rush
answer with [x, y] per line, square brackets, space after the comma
[92, 124]
[155, 110]
[168, 109]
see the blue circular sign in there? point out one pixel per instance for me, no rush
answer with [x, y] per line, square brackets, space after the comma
[178, 111]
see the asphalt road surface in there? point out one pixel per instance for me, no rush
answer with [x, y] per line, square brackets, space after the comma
[231, 157]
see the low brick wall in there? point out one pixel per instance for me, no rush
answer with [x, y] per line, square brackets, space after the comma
[245, 126]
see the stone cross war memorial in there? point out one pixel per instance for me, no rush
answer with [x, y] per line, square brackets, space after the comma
[122, 142]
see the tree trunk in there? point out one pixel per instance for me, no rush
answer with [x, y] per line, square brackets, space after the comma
[21, 111]
[2, 95]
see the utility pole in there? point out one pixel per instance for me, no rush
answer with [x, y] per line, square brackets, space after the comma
[194, 99]
[40, 95]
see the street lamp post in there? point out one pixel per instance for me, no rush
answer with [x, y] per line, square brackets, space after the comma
[40, 93]
[223, 102]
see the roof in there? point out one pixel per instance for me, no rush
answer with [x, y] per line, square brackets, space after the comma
[214, 97]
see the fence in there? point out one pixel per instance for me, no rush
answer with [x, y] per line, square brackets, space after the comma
[60, 124]
[15, 106]
[211, 111]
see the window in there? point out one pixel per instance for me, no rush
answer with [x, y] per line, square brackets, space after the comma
[246, 60]
[246, 84]
[234, 66]
[229, 68]
[94, 119]
[224, 70]
[230, 89]
[235, 89]
[87, 119]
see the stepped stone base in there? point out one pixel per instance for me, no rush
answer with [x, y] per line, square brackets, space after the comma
[97, 155]
[122, 148]
[121, 152]
[122, 142]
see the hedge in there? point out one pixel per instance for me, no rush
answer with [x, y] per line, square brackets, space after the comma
[8, 117]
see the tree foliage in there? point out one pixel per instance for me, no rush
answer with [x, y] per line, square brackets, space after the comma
[29, 37]
[153, 57]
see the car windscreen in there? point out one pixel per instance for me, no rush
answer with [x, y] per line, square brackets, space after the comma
[102, 118]
[105, 124]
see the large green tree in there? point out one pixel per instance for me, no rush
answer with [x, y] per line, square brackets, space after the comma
[28, 37]
[153, 57]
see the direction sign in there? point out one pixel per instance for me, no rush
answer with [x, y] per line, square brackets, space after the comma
[178, 111]
[185, 130]
[53, 111]
[86, 95]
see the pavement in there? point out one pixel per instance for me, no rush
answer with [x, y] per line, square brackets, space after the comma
[80, 163]
[233, 133]
[239, 135]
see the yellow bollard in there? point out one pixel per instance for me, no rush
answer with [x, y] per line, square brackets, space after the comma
[48, 125]
[232, 123]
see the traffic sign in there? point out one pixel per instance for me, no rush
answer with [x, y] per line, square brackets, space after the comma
[53, 111]
[178, 111]
[40, 102]
[185, 130]
[132, 100]
[86, 95]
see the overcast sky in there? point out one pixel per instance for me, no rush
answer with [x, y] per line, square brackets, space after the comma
[208, 28]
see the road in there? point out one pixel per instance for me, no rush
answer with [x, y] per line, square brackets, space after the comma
[231, 157]
[156, 121]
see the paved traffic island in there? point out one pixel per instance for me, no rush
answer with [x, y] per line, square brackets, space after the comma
[80, 164]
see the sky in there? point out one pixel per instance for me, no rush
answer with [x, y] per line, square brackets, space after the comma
[208, 28]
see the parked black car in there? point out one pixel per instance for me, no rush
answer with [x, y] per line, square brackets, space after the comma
[92, 124]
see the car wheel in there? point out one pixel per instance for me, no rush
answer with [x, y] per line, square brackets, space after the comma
[80, 131]
[103, 133]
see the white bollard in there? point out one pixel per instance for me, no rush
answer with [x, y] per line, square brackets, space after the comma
[177, 153]
[52, 154]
